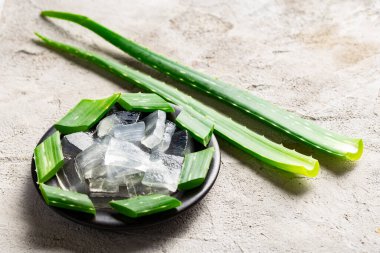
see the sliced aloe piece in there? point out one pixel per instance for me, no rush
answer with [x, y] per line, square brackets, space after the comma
[85, 114]
[291, 124]
[195, 168]
[57, 197]
[238, 135]
[145, 102]
[145, 205]
[199, 126]
[48, 157]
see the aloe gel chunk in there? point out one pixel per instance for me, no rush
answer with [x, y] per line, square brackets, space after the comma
[154, 129]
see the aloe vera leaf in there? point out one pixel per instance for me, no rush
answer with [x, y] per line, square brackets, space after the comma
[145, 205]
[238, 135]
[199, 127]
[57, 197]
[145, 102]
[195, 168]
[290, 123]
[48, 157]
[85, 114]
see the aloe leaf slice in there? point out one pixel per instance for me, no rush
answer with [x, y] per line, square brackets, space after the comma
[145, 205]
[238, 135]
[199, 126]
[48, 157]
[85, 114]
[195, 168]
[145, 102]
[290, 123]
[57, 197]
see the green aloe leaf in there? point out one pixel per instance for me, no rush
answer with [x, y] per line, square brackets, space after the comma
[57, 197]
[145, 102]
[48, 157]
[195, 168]
[85, 114]
[199, 126]
[290, 123]
[238, 135]
[145, 205]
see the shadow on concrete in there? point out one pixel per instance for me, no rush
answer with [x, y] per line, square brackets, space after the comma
[49, 231]
[287, 182]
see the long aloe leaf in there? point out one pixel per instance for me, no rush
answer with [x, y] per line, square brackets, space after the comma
[85, 114]
[145, 102]
[199, 127]
[48, 157]
[195, 168]
[145, 205]
[293, 125]
[57, 197]
[238, 135]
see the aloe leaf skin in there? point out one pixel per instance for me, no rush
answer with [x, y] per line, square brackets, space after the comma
[238, 135]
[291, 124]
[145, 102]
[85, 114]
[195, 168]
[199, 127]
[48, 157]
[145, 205]
[57, 197]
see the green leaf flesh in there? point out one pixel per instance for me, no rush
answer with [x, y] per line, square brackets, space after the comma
[195, 168]
[75, 201]
[145, 205]
[48, 157]
[199, 127]
[145, 102]
[85, 114]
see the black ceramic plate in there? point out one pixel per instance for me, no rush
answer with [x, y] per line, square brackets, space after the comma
[109, 219]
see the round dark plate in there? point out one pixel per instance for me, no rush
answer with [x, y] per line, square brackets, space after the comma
[110, 219]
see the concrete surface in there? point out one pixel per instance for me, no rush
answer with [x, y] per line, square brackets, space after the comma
[317, 58]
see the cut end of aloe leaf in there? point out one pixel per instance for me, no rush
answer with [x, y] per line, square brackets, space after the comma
[48, 157]
[308, 171]
[145, 102]
[85, 114]
[314, 171]
[311, 169]
[356, 155]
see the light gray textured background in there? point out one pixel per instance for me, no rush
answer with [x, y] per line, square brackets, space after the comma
[320, 60]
